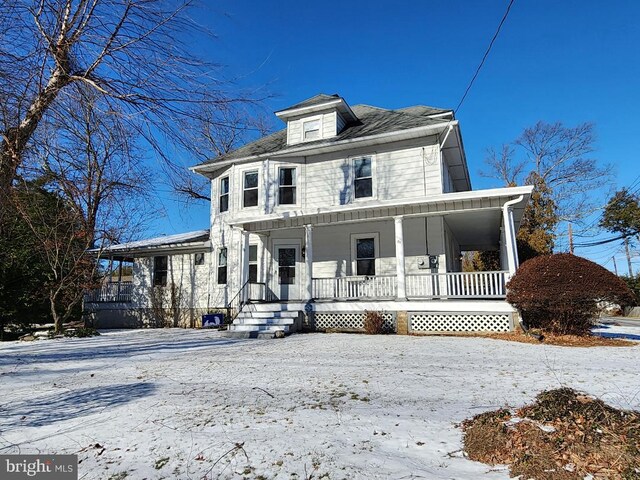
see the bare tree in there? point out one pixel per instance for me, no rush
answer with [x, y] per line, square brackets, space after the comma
[217, 131]
[502, 165]
[81, 193]
[127, 51]
[558, 157]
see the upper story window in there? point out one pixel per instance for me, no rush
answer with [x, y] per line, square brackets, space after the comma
[160, 271]
[224, 194]
[363, 179]
[287, 186]
[222, 266]
[198, 259]
[250, 192]
[311, 130]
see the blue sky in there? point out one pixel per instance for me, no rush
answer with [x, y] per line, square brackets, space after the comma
[569, 61]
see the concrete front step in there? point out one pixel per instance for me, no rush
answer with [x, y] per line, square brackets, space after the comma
[258, 328]
[258, 334]
[250, 314]
[264, 321]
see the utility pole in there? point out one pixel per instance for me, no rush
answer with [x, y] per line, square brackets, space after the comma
[626, 247]
[570, 240]
[615, 267]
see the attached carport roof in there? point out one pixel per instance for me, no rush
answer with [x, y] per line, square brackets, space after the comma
[474, 217]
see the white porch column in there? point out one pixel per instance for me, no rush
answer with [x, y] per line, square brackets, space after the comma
[245, 262]
[400, 270]
[510, 234]
[308, 261]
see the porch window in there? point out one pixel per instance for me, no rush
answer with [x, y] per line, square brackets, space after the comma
[222, 266]
[250, 193]
[311, 130]
[287, 186]
[224, 194]
[198, 259]
[160, 271]
[363, 180]
[365, 256]
[253, 263]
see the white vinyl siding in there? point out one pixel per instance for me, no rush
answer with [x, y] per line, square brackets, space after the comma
[399, 171]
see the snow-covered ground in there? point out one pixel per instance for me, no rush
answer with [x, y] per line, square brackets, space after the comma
[190, 404]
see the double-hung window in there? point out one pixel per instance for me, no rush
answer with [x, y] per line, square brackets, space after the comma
[224, 194]
[363, 178]
[222, 266]
[287, 186]
[250, 191]
[311, 130]
[160, 271]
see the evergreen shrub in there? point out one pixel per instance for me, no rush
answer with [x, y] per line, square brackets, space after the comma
[561, 293]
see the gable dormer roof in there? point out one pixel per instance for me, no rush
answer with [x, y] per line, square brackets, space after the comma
[319, 103]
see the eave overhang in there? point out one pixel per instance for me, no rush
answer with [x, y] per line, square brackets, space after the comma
[314, 149]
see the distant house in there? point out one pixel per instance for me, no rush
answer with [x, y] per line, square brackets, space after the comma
[346, 209]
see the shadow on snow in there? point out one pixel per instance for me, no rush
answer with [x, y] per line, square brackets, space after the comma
[59, 407]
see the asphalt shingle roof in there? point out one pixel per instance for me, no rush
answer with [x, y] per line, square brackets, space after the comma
[372, 121]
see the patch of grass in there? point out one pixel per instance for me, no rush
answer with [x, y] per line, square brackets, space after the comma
[161, 462]
[81, 332]
[563, 435]
[119, 476]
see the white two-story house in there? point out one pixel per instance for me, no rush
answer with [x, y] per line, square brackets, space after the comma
[346, 209]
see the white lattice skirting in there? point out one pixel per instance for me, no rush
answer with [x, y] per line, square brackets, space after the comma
[460, 322]
[350, 321]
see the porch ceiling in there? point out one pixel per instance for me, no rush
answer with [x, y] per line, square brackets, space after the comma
[477, 230]
[473, 216]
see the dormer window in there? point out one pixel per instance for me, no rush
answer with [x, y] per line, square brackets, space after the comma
[311, 130]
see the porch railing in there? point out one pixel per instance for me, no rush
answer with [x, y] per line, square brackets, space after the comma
[426, 285]
[110, 292]
[457, 285]
[354, 287]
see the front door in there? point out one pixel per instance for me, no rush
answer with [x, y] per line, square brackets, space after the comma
[287, 259]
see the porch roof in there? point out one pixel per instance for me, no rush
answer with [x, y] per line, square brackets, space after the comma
[189, 241]
[474, 217]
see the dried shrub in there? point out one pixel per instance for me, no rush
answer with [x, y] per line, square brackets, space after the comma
[564, 434]
[486, 437]
[373, 323]
[560, 293]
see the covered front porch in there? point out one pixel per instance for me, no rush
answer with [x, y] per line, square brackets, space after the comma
[407, 252]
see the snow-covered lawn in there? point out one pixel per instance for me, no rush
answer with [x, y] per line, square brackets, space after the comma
[175, 403]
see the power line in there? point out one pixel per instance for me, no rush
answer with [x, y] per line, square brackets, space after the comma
[486, 54]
